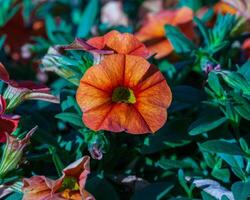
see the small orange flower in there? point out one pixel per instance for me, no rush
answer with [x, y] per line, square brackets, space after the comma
[69, 186]
[112, 42]
[153, 32]
[124, 93]
[241, 7]
[224, 8]
[122, 43]
[219, 8]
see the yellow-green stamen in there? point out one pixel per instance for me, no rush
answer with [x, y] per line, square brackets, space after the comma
[123, 95]
[70, 183]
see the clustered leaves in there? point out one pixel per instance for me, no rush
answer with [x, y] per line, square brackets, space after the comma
[78, 77]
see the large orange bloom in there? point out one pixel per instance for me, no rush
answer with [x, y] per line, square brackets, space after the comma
[153, 33]
[124, 93]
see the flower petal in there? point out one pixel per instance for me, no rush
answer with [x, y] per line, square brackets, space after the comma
[224, 8]
[126, 44]
[80, 170]
[161, 49]
[107, 75]
[43, 96]
[183, 15]
[153, 31]
[116, 118]
[153, 97]
[87, 195]
[149, 112]
[37, 187]
[4, 75]
[2, 105]
[94, 118]
[79, 44]
[89, 97]
[97, 42]
[7, 125]
[135, 68]
[121, 43]
[78, 167]
[154, 25]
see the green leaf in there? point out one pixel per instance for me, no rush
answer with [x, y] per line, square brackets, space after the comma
[170, 135]
[183, 182]
[206, 196]
[68, 101]
[193, 4]
[243, 144]
[57, 161]
[208, 15]
[203, 29]
[242, 106]
[14, 196]
[219, 146]
[214, 83]
[167, 69]
[176, 164]
[50, 27]
[101, 189]
[221, 174]
[154, 191]
[245, 70]
[2, 40]
[71, 118]
[185, 97]
[237, 81]
[57, 33]
[241, 190]
[220, 32]
[87, 19]
[205, 124]
[180, 42]
[236, 163]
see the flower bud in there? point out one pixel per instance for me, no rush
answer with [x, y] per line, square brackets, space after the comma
[97, 145]
[13, 152]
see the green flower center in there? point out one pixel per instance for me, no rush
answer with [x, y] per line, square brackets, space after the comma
[70, 183]
[123, 95]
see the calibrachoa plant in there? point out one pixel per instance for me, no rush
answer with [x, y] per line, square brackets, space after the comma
[133, 99]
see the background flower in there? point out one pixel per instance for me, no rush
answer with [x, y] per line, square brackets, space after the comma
[112, 42]
[8, 123]
[19, 91]
[69, 186]
[153, 34]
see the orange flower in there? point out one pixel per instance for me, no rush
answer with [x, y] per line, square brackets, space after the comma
[219, 8]
[124, 93]
[224, 8]
[69, 186]
[112, 42]
[153, 32]
[242, 7]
